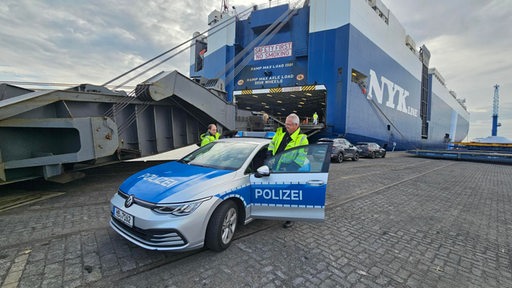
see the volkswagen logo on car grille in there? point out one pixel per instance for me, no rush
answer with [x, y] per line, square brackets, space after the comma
[129, 201]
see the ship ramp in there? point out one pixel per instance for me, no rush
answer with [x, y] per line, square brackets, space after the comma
[54, 133]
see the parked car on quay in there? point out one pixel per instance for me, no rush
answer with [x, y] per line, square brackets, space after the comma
[201, 199]
[371, 150]
[341, 149]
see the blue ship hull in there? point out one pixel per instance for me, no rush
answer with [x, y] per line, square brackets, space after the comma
[350, 61]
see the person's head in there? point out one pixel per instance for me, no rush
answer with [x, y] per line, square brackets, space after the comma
[292, 123]
[265, 117]
[212, 128]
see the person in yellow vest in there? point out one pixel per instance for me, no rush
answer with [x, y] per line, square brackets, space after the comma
[315, 119]
[285, 140]
[210, 135]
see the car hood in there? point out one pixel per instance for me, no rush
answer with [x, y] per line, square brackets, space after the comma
[172, 181]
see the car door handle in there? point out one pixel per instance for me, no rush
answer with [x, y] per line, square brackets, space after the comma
[315, 182]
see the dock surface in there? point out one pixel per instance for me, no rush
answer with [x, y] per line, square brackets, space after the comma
[400, 221]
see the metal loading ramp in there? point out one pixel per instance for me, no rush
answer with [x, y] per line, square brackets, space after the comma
[53, 132]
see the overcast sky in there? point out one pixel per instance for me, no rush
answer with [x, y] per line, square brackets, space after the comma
[96, 40]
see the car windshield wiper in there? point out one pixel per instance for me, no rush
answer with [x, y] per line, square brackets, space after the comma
[199, 165]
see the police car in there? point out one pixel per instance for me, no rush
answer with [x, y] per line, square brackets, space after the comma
[201, 199]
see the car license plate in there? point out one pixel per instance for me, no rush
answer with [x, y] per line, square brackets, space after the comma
[123, 216]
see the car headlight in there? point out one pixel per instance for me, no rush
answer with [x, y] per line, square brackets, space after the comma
[180, 209]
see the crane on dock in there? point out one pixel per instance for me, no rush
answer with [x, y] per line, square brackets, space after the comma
[495, 108]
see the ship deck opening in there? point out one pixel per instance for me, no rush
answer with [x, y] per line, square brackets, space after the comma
[279, 102]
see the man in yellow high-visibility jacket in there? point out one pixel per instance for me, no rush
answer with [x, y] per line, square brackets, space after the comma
[285, 140]
[210, 135]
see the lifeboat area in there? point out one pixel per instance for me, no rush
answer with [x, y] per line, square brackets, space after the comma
[399, 221]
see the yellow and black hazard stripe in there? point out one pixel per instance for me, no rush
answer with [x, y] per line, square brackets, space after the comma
[276, 90]
[247, 92]
[308, 88]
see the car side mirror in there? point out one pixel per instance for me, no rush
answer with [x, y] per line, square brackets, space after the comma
[262, 172]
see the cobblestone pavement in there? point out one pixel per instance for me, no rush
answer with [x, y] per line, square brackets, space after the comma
[400, 221]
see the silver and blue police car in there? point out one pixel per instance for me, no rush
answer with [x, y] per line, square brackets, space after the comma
[201, 199]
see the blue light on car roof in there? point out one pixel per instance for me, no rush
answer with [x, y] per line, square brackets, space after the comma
[255, 134]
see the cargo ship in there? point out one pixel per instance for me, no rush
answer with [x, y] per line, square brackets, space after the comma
[349, 61]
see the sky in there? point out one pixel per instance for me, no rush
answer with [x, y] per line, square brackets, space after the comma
[94, 41]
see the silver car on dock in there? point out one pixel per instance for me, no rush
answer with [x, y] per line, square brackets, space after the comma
[201, 199]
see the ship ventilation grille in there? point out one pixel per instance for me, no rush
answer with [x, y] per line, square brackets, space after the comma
[215, 83]
[409, 42]
[211, 83]
[380, 9]
[437, 75]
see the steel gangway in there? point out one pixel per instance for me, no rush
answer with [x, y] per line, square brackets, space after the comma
[49, 133]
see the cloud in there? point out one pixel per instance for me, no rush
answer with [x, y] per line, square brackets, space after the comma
[97, 40]
[92, 41]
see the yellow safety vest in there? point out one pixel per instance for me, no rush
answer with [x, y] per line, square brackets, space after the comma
[297, 139]
[207, 138]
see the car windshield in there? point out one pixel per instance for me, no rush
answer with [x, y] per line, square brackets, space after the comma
[220, 155]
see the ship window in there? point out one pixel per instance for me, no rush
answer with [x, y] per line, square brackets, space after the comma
[360, 79]
[201, 48]
[358, 76]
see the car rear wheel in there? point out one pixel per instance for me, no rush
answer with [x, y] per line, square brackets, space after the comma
[222, 226]
[356, 156]
[339, 157]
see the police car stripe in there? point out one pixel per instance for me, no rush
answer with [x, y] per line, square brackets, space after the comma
[285, 205]
[234, 193]
[237, 196]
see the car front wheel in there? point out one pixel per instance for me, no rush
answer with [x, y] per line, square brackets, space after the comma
[339, 157]
[222, 226]
[356, 156]
[372, 155]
